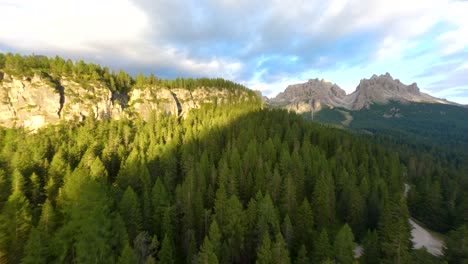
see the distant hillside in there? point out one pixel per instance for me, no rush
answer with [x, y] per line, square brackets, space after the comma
[423, 122]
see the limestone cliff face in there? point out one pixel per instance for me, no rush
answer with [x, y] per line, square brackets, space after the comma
[28, 102]
[36, 102]
[145, 100]
[80, 102]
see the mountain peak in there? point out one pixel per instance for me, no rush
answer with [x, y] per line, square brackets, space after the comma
[378, 89]
[382, 89]
[308, 96]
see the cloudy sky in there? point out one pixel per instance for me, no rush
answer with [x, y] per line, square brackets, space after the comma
[262, 44]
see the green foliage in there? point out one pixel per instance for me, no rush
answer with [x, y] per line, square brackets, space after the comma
[36, 250]
[302, 257]
[207, 254]
[128, 256]
[15, 224]
[53, 69]
[260, 185]
[264, 254]
[344, 245]
[457, 245]
[129, 209]
[166, 255]
[327, 116]
[323, 248]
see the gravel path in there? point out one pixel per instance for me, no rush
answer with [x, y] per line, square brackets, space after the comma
[422, 238]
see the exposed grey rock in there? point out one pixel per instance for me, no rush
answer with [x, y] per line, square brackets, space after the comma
[382, 89]
[36, 102]
[309, 96]
[314, 94]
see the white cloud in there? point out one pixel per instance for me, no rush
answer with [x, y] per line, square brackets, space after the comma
[231, 38]
[71, 25]
[456, 39]
[394, 49]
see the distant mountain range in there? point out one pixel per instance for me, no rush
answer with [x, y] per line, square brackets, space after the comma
[315, 94]
[381, 106]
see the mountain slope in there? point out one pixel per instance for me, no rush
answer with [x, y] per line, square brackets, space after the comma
[383, 89]
[315, 94]
[422, 122]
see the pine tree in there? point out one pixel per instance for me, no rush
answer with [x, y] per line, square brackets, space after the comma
[166, 254]
[47, 221]
[15, 223]
[4, 188]
[128, 256]
[280, 253]
[344, 245]
[323, 198]
[288, 232]
[323, 249]
[98, 170]
[304, 225]
[36, 250]
[371, 247]
[302, 257]
[160, 203]
[394, 232]
[264, 254]
[129, 209]
[457, 245]
[267, 217]
[207, 254]
[214, 235]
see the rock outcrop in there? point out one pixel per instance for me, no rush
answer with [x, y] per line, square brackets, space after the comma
[309, 96]
[315, 94]
[382, 89]
[38, 101]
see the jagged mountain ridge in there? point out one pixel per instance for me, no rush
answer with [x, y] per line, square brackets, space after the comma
[315, 93]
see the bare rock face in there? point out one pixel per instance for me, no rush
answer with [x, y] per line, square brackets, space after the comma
[314, 94]
[309, 96]
[81, 101]
[28, 102]
[177, 101]
[382, 89]
[33, 103]
[145, 100]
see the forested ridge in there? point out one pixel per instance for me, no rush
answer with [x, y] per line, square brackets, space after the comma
[233, 183]
[84, 73]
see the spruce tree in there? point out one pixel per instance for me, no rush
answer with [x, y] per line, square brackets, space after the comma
[344, 245]
[207, 254]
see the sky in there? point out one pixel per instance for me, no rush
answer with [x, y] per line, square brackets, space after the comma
[264, 45]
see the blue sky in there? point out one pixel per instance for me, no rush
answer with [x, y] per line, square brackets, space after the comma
[265, 45]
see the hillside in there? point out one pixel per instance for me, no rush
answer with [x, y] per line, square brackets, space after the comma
[230, 182]
[36, 91]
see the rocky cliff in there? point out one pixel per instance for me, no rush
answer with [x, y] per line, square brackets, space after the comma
[309, 96]
[382, 89]
[38, 101]
[314, 94]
